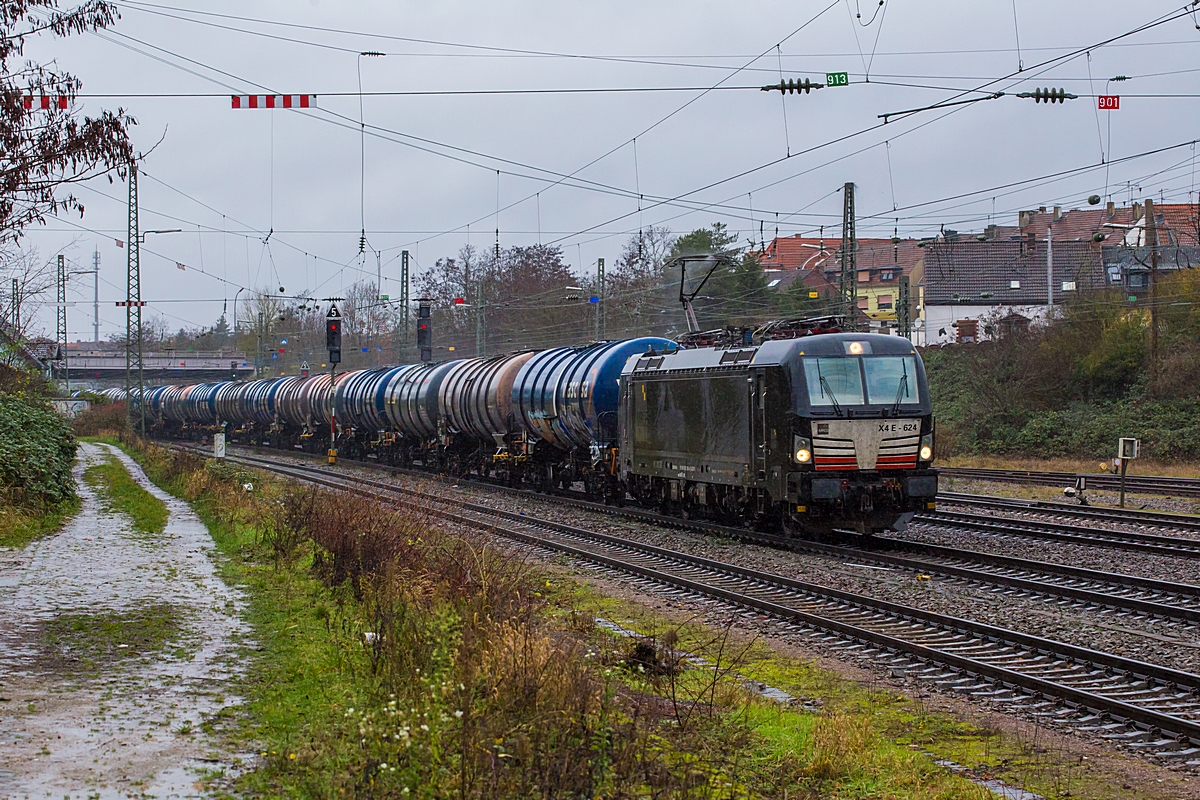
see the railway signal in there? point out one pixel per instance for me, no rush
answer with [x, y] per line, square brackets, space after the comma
[333, 343]
[424, 331]
[333, 334]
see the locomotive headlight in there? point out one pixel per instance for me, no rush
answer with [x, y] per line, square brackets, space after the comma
[802, 450]
[926, 453]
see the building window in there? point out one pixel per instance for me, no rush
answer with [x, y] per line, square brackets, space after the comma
[1068, 286]
[1014, 284]
[886, 275]
[774, 283]
[885, 302]
[862, 303]
[1137, 279]
[864, 277]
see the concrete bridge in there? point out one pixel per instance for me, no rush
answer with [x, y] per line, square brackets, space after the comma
[106, 368]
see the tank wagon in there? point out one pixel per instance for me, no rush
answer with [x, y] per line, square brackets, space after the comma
[808, 433]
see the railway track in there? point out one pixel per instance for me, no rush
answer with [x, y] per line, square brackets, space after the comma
[1145, 707]
[1152, 519]
[1158, 544]
[1135, 484]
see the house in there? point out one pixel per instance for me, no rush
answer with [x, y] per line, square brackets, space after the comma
[972, 285]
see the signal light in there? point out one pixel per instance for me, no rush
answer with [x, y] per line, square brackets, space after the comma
[791, 86]
[1049, 95]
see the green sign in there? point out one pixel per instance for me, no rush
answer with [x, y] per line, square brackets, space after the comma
[1133, 298]
[837, 78]
[383, 297]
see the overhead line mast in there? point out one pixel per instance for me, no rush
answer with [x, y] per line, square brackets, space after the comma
[849, 276]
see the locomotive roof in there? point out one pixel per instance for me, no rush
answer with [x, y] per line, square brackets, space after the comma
[771, 353]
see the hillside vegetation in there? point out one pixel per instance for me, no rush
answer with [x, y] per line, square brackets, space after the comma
[1073, 387]
[37, 451]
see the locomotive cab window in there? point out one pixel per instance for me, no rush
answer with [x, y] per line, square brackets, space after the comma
[854, 381]
[891, 379]
[834, 381]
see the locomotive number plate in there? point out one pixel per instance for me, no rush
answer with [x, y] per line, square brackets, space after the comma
[900, 426]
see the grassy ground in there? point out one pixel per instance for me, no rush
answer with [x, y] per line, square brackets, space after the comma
[353, 691]
[20, 526]
[120, 492]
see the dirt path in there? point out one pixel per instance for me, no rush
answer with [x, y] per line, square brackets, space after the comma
[114, 648]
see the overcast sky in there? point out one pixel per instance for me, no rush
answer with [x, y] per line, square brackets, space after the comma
[228, 177]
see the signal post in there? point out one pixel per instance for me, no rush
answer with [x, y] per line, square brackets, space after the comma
[333, 343]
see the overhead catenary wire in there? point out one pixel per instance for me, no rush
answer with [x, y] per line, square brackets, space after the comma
[539, 197]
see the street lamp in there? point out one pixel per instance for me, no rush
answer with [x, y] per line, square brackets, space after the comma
[144, 234]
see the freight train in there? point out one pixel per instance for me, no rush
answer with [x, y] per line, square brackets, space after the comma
[799, 427]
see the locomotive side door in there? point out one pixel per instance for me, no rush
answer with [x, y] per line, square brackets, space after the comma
[758, 422]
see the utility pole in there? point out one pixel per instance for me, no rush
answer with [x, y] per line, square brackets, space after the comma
[259, 356]
[61, 320]
[1049, 273]
[16, 307]
[1152, 243]
[849, 285]
[904, 309]
[133, 305]
[600, 321]
[96, 295]
[404, 335]
[378, 276]
[480, 322]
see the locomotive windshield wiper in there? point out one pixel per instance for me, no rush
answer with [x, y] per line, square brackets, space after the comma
[901, 390]
[837, 409]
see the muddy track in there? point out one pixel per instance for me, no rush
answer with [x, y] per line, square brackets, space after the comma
[114, 648]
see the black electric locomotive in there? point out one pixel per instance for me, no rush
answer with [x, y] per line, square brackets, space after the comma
[817, 433]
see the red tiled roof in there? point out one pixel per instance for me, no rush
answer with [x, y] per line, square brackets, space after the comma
[1177, 223]
[799, 252]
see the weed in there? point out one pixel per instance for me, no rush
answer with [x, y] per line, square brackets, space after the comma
[87, 641]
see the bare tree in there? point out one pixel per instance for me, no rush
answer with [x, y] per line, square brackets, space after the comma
[45, 145]
[34, 279]
[638, 292]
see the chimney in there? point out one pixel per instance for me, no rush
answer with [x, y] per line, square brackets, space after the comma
[1137, 211]
[1057, 213]
[1041, 209]
[1111, 208]
[1024, 218]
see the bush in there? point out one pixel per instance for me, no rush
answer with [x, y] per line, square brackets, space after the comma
[1073, 387]
[37, 451]
[103, 419]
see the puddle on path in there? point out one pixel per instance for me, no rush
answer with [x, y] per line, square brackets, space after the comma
[112, 653]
